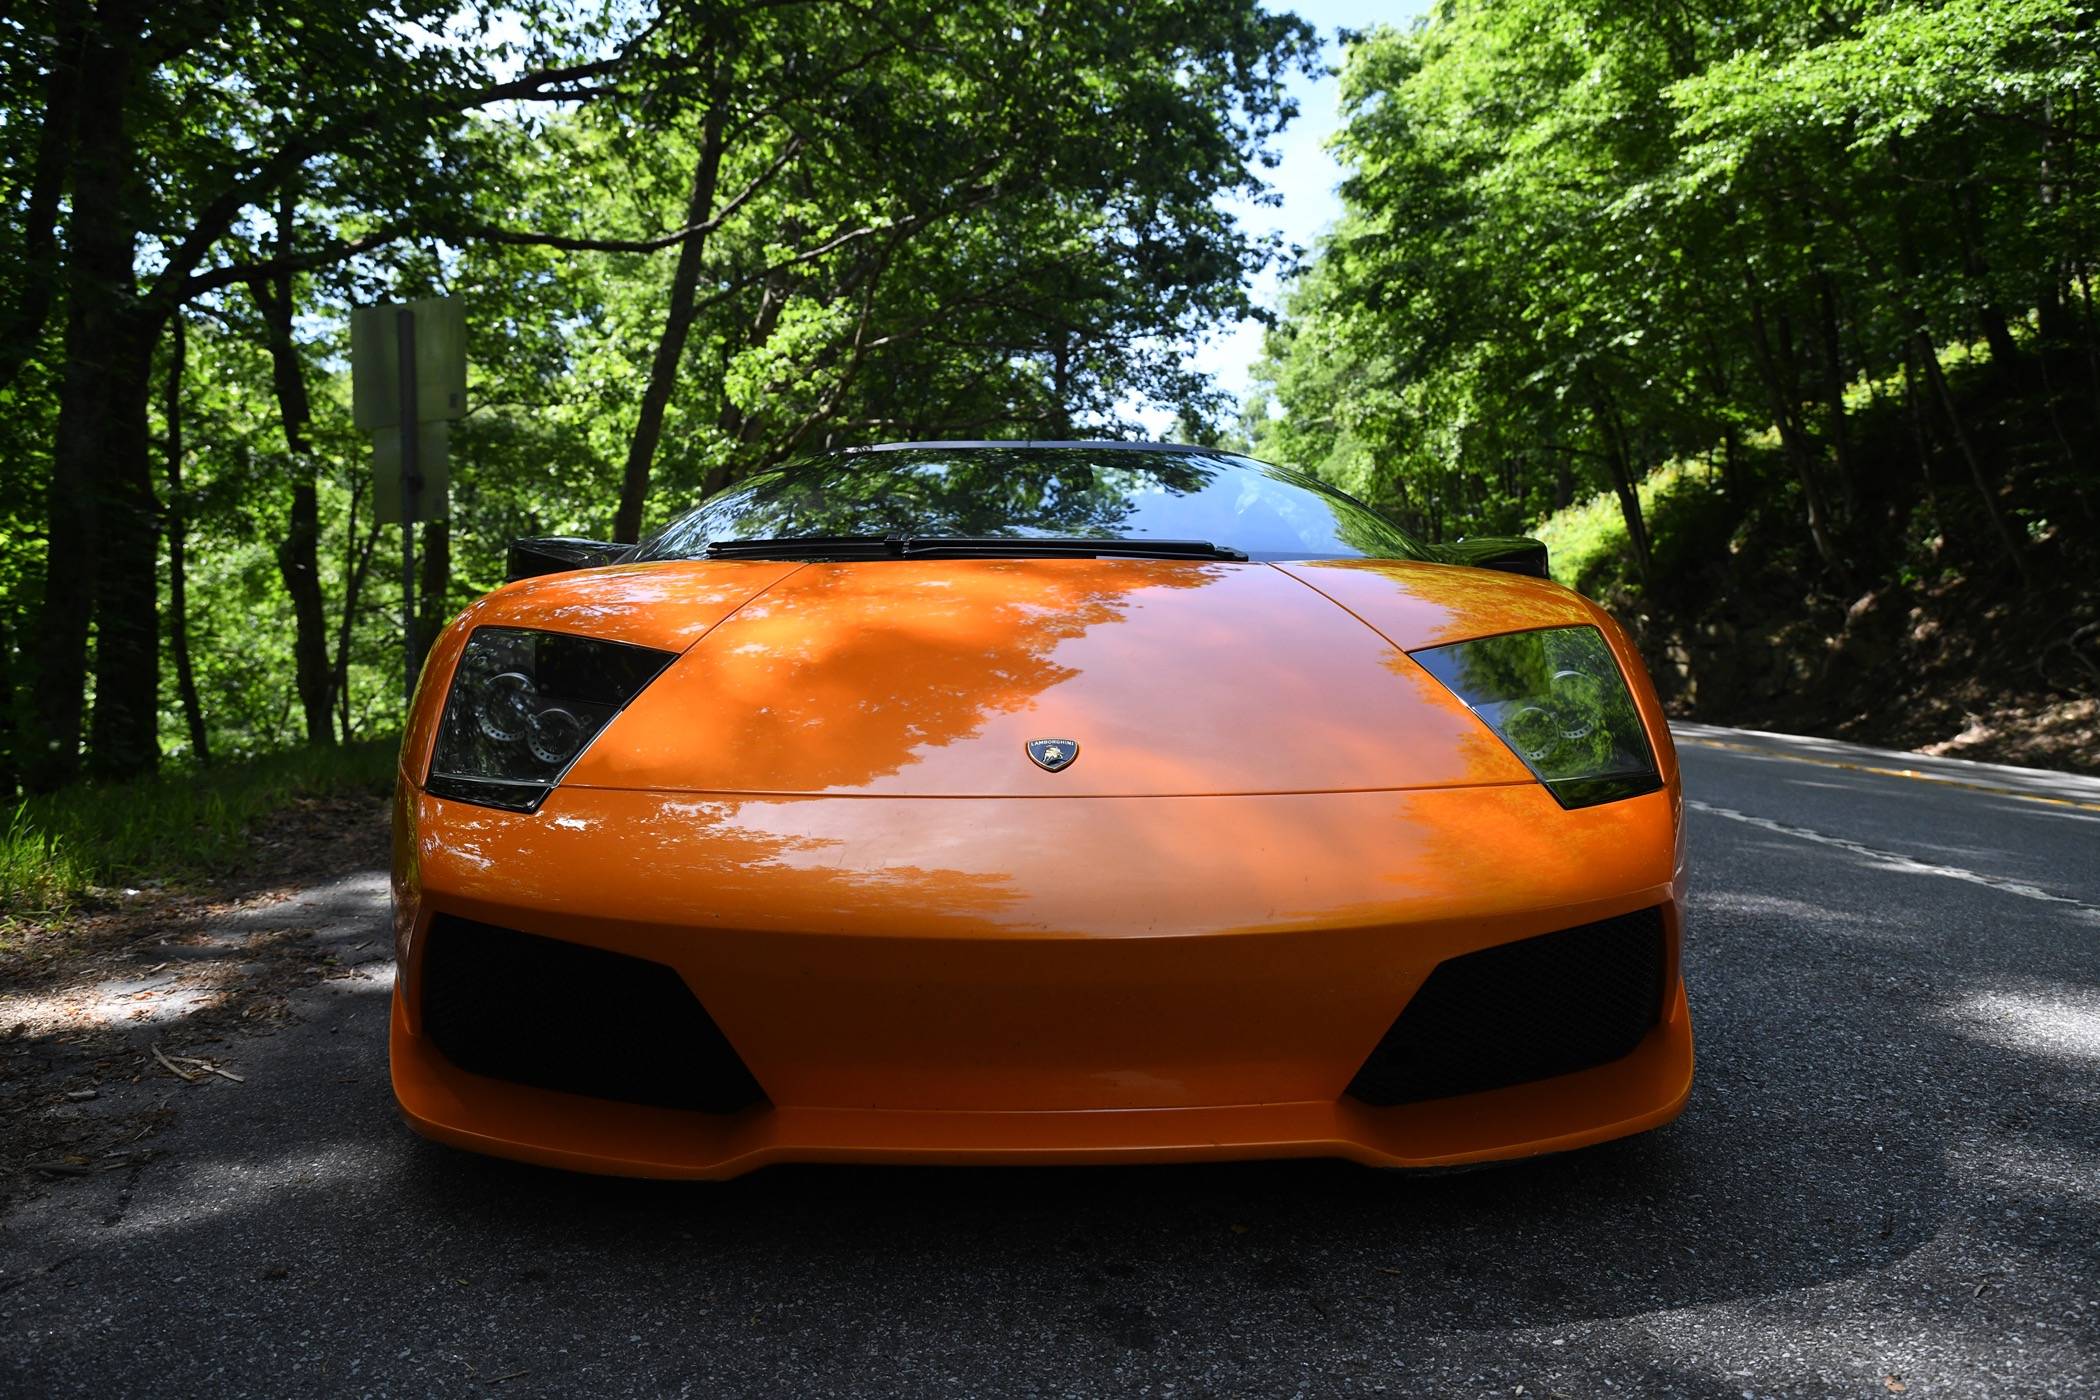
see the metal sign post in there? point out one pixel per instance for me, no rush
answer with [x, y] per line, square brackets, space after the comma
[408, 377]
[411, 488]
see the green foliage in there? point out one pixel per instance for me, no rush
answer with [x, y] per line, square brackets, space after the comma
[692, 242]
[55, 848]
[1581, 241]
[1586, 542]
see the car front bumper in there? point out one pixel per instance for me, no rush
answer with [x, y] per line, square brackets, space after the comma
[959, 980]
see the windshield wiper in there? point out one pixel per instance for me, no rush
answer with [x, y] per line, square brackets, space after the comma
[1001, 547]
[966, 547]
[808, 547]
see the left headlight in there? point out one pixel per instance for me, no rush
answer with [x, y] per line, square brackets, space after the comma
[524, 704]
[1556, 697]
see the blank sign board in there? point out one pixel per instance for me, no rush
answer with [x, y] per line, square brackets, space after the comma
[375, 362]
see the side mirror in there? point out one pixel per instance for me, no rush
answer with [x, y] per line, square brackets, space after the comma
[559, 555]
[1513, 554]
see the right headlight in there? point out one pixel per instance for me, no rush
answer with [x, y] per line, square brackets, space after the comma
[1556, 697]
[524, 705]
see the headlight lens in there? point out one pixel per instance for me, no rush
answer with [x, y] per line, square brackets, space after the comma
[524, 704]
[1556, 697]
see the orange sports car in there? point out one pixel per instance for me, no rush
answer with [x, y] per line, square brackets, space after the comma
[1035, 802]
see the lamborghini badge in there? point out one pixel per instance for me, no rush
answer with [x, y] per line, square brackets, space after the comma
[1053, 755]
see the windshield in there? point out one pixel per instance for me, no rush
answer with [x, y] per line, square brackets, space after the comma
[1048, 493]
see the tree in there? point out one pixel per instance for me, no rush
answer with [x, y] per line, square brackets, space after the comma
[1582, 240]
[200, 115]
[693, 241]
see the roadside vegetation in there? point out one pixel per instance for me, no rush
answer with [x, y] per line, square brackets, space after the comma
[1776, 320]
[1932, 646]
[92, 842]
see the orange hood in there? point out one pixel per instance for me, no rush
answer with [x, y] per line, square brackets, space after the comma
[928, 678]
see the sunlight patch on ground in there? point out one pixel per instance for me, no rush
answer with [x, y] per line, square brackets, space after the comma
[2027, 1171]
[110, 1005]
[207, 1189]
[2064, 1025]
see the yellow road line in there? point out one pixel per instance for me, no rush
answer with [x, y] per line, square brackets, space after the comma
[1762, 752]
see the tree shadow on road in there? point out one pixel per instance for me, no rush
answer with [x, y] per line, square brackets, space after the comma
[1857, 1105]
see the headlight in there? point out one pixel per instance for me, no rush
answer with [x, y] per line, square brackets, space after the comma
[1557, 699]
[524, 704]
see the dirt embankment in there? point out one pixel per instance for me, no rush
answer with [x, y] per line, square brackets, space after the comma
[1952, 609]
[1964, 668]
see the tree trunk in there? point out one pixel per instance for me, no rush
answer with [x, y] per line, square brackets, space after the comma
[1622, 483]
[1997, 334]
[38, 253]
[178, 582]
[1990, 318]
[1833, 368]
[2089, 324]
[1715, 372]
[58, 690]
[101, 417]
[109, 371]
[678, 321]
[2051, 403]
[10, 772]
[357, 564]
[299, 552]
[1934, 377]
[1795, 442]
[431, 612]
[1061, 386]
[745, 428]
[124, 734]
[1914, 409]
[2049, 295]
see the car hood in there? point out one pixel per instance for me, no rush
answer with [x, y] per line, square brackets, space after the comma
[930, 678]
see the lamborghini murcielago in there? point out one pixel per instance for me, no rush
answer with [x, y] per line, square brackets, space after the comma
[1035, 802]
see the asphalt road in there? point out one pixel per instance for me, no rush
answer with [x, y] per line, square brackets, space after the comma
[1888, 1177]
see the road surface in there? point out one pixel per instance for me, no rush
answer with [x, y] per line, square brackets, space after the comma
[1888, 1181]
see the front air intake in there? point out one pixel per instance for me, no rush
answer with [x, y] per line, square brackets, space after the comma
[1554, 1004]
[557, 1015]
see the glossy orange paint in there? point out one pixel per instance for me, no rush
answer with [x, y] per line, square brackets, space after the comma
[924, 679]
[927, 948]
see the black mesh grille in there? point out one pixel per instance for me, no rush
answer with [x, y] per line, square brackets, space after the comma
[1528, 1010]
[559, 1015]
